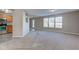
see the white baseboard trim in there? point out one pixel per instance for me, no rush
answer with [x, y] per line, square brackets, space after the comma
[65, 32]
[17, 36]
[71, 33]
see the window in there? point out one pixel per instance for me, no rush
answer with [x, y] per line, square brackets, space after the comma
[48, 22]
[45, 22]
[58, 22]
[51, 22]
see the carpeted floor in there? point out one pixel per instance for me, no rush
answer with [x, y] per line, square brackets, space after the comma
[42, 41]
[5, 37]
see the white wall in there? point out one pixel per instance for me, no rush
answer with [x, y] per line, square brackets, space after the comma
[25, 24]
[19, 23]
[71, 23]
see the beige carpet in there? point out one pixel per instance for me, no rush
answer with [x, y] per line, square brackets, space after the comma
[42, 41]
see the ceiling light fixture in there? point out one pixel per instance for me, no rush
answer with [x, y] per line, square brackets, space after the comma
[52, 10]
[6, 10]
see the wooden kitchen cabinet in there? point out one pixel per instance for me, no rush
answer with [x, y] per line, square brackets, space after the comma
[9, 24]
[9, 18]
[9, 29]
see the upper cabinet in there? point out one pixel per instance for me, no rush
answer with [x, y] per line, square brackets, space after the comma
[9, 18]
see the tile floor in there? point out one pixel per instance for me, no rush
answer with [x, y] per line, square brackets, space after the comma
[40, 41]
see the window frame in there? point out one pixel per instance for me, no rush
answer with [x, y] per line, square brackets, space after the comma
[48, 23]
[44, 23]
[61, 22]
[52, 22]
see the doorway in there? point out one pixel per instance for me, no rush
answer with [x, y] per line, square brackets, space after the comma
[33, 25]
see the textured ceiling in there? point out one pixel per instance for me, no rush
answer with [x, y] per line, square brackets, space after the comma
[45, 12]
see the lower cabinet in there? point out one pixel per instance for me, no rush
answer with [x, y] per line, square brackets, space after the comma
[9, 29]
